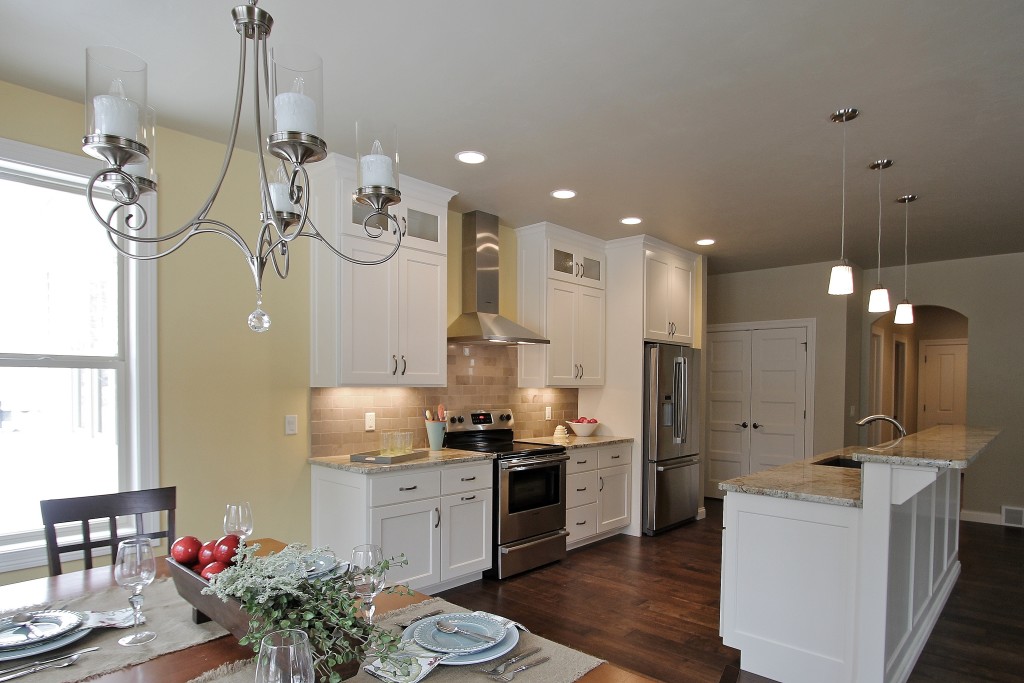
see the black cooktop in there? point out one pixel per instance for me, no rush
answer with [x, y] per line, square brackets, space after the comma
[490, 431]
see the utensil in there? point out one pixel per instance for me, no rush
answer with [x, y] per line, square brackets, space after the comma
[507, 678]
[428, 415]
[449, 627]
[42, 667]
[500, 668]
[46, 661]
[441, 414]
[285, 657]
[134, 569]
[407, 624]
[25, 619]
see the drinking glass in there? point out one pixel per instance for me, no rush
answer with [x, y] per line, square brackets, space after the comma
[238, 520]
[285, 657]
[367, 575]
[134, 569]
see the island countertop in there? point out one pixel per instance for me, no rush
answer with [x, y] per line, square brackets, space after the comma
[945, 446]
[572, 441]
[446, 456]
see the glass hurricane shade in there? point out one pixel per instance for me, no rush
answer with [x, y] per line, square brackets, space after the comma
[115, 92]
[904, 313]
[376, 154]
[879, 300]
[297, 100]
[841, 281]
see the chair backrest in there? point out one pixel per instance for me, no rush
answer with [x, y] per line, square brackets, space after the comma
[109, 506]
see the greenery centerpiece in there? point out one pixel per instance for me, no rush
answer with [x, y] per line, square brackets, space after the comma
[277, 592]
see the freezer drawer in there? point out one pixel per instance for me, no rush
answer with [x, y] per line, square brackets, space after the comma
[672, 489]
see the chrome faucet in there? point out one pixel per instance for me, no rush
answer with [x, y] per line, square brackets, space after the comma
[885, 418]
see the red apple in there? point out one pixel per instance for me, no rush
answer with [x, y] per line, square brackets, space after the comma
[198, 568]
[185, 550]
[213, 568]
[206, 553]
[592, 421]
[225, 549]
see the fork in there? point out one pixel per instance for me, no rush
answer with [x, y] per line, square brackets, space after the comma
[507, 678]
[412, 621]
[500, 668]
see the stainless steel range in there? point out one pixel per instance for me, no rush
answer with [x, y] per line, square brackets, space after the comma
[529, 490]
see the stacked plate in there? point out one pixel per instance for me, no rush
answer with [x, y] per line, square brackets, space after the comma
[463, 649]
[33, 633]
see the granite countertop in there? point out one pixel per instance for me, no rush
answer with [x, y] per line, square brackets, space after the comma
[447, 456]
[573, 441]
[947, 446]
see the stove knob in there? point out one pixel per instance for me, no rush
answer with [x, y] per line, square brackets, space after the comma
[505, 418]
[461, 419]
[452, 419]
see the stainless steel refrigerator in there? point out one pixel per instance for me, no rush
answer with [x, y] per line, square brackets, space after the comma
[671, 443]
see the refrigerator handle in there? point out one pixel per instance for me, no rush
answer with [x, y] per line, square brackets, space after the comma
[678, 401]
[653, 411]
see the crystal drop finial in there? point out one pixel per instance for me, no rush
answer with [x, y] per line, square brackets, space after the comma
[259, 321]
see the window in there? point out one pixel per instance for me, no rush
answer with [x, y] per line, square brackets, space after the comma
[77, 350]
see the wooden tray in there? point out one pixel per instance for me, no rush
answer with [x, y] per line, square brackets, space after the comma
[205, 608]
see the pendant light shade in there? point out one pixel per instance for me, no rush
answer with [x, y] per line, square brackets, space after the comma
[904, 310]
[904, 313]
[879, 300]
[841, 280]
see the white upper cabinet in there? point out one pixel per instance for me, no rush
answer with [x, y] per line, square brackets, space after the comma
[385, 324]
[668, 296]
[561, 282]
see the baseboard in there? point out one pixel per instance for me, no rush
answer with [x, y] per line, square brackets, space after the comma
[702, 512]
[983, 517]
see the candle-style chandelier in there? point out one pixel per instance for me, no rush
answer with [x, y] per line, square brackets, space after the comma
[120, 129]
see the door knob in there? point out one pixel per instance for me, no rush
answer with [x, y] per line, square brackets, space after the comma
[756, 426]
[741, 424]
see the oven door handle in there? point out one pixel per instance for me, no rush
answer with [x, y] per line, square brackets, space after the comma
[518, 465]
[505, 550]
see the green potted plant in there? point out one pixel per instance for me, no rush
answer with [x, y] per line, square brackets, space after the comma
[276, 592]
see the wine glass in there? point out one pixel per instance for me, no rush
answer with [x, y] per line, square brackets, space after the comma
[285, 657]
[134, 569]
[367, 575]
[238, 520]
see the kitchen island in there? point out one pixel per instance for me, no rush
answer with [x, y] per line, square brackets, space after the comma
[837, 572]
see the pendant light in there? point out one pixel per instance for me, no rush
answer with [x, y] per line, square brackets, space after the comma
[841, 280]
[879, 300]
[904, 310]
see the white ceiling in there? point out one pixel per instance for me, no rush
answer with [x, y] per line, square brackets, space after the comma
[706, 118]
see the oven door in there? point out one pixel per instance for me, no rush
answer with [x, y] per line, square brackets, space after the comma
[531, 497]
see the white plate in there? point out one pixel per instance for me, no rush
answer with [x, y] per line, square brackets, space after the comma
[503, 646]
[49, 623]
[48, 646]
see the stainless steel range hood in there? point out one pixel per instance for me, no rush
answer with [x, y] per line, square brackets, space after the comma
[480, 322]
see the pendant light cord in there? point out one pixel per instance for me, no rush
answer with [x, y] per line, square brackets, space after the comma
[906, 240]
[880, 226]
[842, 222]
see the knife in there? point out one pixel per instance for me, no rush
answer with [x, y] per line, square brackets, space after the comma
[46, 661]
[412, 621]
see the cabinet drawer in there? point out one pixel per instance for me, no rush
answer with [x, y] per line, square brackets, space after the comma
[399, 488]
[610, 456]
[468, 478]
[581, 488]
[581, 460]
[581, 522]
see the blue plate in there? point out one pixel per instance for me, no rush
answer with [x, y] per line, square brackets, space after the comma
[488, 652]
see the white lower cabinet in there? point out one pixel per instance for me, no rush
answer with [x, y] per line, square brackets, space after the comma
[597, 496]
[440, 518]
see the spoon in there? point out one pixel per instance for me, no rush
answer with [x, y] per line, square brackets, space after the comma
[449, 627]
[56, 665]
[25, 619]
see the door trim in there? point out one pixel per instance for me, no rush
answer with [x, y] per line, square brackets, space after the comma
[810, 325]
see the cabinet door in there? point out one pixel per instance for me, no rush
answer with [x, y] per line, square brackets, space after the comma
[574, 263]
[409, 528]
[562, 366]
[613, 498]
[657, 282]
[422, 319]
[424, 224]
[367, 318]
[589, 336]
[680, 301]
[466, 524]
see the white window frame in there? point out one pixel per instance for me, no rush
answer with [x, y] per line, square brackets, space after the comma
[138, 414]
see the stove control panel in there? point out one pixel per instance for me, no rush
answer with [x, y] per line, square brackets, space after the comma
[478, 420]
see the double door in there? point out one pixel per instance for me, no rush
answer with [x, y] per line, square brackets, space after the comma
[575, 326]
[668, 297]
[757, 401]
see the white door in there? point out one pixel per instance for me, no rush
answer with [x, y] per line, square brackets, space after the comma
[410, 529]
[657, 283]
[561, 331]
[728, 373]
[778, 391]
[590, 336]
[466, 522]
[680, 312]
[613, 498]
[423, 319]
[942, 369]
[368, 316]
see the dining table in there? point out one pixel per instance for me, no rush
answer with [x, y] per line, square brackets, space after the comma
[184, 665]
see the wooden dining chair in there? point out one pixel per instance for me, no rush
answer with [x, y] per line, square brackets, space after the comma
[109, 506]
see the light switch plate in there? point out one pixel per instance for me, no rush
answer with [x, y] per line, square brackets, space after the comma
[371, 422]
[291, 425]
[547, 412]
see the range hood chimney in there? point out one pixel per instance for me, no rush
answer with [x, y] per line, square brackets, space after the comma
[480, 322]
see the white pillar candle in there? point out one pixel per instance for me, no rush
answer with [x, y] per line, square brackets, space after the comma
[116, 116]
[295, 112]
[279, 198]
[377, 170]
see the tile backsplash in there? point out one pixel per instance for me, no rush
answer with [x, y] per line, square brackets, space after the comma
[479, 377]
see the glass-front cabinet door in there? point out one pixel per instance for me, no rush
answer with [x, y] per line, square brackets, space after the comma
[572, 263]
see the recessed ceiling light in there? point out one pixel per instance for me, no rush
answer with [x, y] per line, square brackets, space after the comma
[563, 194]
[470, 157]
[705, 242]
[631, 220]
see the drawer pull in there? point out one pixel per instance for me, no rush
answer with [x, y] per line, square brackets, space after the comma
[581, 523]
[468, 479]
[473, 497]
[602, 483]
[438, 512]
[582, 462]
[616, 457]
[582, 489]
[408, 488]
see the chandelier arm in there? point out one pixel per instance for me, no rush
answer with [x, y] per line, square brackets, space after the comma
[301, 192]
[315, 234]
[260, 49]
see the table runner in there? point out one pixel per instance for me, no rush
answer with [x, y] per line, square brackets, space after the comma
[166, 612]
[566, 665]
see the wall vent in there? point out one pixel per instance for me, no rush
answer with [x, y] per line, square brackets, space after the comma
[1013, 516]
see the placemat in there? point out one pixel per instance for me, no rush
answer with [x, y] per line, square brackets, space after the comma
[166, 612]
[566, 664]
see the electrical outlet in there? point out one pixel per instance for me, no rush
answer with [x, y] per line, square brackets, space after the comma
[371, 422]
[291, 425]
[547, 412]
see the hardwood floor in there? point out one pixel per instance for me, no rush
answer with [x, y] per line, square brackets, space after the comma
[651, 605]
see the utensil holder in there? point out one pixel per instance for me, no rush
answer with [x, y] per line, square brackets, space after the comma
[435, 434]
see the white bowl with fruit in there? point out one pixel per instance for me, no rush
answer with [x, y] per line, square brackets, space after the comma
[583, 426]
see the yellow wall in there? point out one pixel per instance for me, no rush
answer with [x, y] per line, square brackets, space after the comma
[224, 391]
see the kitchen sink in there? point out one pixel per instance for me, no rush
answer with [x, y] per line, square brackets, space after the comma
[839, 461]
